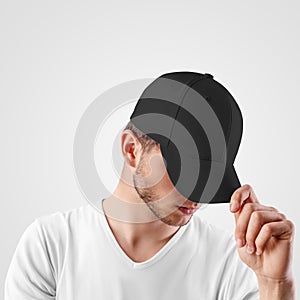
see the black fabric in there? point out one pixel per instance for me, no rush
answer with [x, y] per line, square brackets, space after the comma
[155, 98]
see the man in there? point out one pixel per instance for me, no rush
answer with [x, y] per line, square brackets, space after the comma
[84, 254]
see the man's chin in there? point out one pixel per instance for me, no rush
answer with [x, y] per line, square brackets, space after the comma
[176, 221]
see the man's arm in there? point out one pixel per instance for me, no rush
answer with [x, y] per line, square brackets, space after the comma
[264, 239]
[31, 274]
[276, 289]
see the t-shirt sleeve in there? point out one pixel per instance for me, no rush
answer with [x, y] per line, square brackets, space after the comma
[241, 282]
[31, 274]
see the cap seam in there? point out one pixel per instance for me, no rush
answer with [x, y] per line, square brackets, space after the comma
[189, 85]
[227, 134]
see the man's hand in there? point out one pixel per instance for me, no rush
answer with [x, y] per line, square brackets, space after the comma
[264, 238]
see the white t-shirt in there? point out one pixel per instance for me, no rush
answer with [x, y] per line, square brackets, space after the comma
[73, 255]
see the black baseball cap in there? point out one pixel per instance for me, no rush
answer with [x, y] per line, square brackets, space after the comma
[198, 125]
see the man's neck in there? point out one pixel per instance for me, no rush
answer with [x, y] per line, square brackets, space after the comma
[154, 232]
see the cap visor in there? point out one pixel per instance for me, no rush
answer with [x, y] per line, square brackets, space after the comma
[203, 181]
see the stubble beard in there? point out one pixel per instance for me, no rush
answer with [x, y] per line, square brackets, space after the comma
[148, 195]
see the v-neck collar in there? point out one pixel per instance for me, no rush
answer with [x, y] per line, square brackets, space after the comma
[120, 251]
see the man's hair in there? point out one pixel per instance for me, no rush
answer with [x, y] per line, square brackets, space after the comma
[146, 141]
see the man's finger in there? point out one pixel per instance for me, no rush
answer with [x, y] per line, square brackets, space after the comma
[251, 213]
[240, 195]
[257, 220]
[283, 229]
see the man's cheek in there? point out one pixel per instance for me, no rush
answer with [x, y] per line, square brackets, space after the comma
[156, 171]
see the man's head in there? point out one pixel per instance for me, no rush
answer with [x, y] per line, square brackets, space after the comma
[144, 162]
[198, 125]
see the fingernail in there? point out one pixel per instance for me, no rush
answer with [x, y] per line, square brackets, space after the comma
[234, 206]
[258, 252]
[250, 249]
[239, 243]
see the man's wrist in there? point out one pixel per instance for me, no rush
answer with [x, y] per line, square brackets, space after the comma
[274, 289]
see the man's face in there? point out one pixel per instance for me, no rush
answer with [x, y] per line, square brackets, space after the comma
[154, 186]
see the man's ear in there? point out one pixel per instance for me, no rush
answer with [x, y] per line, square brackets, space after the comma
[131, 148]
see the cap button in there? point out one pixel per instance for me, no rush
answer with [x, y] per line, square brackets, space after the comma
[208, 75]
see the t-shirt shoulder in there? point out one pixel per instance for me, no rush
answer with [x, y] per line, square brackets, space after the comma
[60, 222]
[39, 257]
[56, 228]
[56, 218]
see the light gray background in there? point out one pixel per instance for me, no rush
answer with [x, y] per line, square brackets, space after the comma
[58, 56]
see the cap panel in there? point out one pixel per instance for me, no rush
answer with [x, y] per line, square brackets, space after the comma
[162, 96]
[158, 108]
[236, 126]
[218, 100]
[203, 124]
[194, 134]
